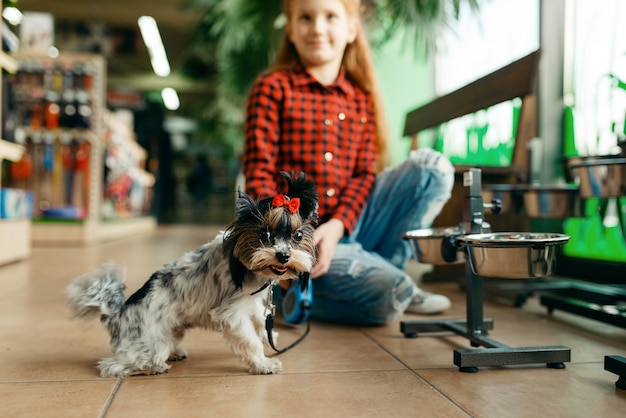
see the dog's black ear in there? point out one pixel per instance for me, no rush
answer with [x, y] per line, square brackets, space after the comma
[237, 272]
[246, 216]
[304, 189]
[237, 269]
[245, 208]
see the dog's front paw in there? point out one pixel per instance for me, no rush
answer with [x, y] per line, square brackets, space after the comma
[148, 372]
[267, 366]
[178, 355]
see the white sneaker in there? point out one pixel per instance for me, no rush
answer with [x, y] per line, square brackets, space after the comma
[425, 303]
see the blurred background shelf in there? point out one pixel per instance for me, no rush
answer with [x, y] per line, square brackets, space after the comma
[88, 231]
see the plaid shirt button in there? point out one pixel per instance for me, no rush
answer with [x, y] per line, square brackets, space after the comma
[342, 116]
[330, 192]
[328, 156]
[328, 122]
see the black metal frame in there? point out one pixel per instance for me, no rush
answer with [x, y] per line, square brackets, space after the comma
[475, 327]
[617, 365]
[602, 303]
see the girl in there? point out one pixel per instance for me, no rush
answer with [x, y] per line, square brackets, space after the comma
[318, 110]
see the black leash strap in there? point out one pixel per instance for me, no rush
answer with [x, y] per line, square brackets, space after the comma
[262, 288]
[270, 308]
[269, 325]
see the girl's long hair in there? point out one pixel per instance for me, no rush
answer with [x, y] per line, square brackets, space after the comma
[358, 66]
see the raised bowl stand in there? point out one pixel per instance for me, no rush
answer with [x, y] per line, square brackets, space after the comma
[475, 327]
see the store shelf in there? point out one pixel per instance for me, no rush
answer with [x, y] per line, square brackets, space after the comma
[10, 151]
[18, 247]
[8, 62]
[79, 144]
[89, 231]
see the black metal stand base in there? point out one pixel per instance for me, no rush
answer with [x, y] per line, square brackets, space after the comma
[617, 365]
[495, 353]
[475, 328]
[602, 303]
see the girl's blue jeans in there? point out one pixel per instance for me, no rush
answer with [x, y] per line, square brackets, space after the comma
[366, 283]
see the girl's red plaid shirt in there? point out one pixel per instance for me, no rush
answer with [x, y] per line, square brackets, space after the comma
[327, 131]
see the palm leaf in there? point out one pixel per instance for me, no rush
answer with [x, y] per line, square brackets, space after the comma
[422, 20]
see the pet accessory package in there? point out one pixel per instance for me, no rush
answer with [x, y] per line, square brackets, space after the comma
[297, 302]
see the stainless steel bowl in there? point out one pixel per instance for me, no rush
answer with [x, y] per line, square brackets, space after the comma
[551, 202]
[426, 244]
[601, 177]
[571, 174]
[512, 255]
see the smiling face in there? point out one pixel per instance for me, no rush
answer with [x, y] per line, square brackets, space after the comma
[320, 31]
[282, 248]
[272, 242]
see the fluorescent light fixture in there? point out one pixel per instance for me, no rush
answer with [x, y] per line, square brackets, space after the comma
[170, 98]
[12, 15]
[53, 52]
[152, 38]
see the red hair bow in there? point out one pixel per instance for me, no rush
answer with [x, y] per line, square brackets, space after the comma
[291, 204]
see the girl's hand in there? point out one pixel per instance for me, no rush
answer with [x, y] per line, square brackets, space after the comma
[326, 236]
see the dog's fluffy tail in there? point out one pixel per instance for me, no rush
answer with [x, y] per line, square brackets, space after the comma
[98, 293]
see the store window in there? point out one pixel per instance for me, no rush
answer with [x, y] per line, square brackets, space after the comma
[500, 33]
[598, 94]
[595, 94]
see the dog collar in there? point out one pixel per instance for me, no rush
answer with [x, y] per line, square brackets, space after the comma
[262, 288]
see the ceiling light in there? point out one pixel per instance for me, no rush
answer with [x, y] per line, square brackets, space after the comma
[12, 15]
[152, 38]
[170, 98]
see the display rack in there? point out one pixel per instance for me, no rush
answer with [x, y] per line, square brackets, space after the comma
[85, 131]
[18, 247]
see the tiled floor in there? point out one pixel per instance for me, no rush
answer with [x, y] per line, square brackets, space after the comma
[47, 363]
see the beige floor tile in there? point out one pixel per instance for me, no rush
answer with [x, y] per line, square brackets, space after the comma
[327, 348]
[349, 394]
[527, 326]
[580, 390]
[332, 348]
[51, 349]
[48, 363]
[78, 399]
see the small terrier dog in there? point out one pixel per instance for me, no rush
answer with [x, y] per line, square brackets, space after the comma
[223, 286]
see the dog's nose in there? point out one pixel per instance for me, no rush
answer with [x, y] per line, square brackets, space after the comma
[282, 257]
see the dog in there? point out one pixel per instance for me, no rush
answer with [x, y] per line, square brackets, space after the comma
[222, 286]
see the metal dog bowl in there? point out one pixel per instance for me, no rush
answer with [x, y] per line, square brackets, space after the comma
[571, 174]
[512, 255]
[551, 202]
[427, 244]
[601, 177]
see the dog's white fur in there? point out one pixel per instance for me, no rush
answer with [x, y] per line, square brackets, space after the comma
[144, 336]
[214, 287]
